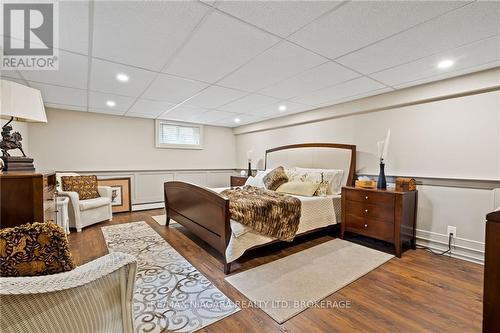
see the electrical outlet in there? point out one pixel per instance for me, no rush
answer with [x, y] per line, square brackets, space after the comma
[452, 230]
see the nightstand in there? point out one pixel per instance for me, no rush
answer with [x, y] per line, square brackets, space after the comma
[238, 180]
[385, 215]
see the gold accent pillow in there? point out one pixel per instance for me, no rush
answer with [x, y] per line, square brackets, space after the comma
[85, 186]
[34, 249]
[275, 178]
[305, 189]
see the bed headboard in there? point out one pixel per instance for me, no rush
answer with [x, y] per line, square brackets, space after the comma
[315, 155]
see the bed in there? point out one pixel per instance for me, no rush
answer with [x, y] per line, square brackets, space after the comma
[206, 213]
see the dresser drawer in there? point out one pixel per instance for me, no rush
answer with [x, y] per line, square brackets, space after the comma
[371, 197]
[370, 227]
[363, 209]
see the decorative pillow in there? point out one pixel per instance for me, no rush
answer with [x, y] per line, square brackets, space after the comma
[306, 189]
[275, 178]
[330, 179]
[34, 249]
[256, 180]
[85, 186]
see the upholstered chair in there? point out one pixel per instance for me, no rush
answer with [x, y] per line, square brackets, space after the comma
[83, 213]
[94, 297]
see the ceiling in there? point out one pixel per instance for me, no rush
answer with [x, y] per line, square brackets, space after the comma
[212, 62]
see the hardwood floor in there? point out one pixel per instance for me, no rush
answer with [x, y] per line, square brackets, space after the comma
[420, 292]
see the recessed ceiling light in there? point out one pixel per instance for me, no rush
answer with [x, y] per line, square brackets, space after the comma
[111, 104]
[237, 120]
[122, 77]
[282, 107]
[443, 64]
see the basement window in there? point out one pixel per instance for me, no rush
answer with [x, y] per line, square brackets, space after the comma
[178, 135]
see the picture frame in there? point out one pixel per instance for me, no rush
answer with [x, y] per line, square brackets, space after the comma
[121, 201]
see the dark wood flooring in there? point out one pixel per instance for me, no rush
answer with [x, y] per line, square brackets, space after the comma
[420, 292]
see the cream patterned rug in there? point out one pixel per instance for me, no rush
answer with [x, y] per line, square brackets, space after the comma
[288, 286]
[170, 294]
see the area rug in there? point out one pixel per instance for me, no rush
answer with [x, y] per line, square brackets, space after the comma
[162, 219]
[288, 286]
[170, 294]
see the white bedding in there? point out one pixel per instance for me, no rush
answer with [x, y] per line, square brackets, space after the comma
[316, 212]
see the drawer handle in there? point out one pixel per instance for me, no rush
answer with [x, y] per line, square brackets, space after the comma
[366, 210]
[366, 197]
[366, 225]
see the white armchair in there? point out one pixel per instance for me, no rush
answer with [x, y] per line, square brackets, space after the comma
[95, 297]
[83, 213]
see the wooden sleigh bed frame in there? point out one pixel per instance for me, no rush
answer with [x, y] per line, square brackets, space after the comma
[206, 213]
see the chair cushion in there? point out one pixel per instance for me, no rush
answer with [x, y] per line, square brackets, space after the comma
[34, 249]
[94, 203]
[85, 186]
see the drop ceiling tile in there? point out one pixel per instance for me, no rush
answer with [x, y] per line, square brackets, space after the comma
[360, 23]
[322, 76]
[72, 72]
[74, 26]
[444, 33]
[139, 115]
[73, 22]
[274, 109]
[229, 121]
[20, 81]
[148, 107]
[248, 103]
[215, 115]
[279, 17]
[215, 96]
[144, 34]
[219, 46]
[343, 90]
[274, 65]
[65, 107]
[98, 100]
[448, 75]
[107, 111]
[10, 74]
[184, 112]
[471, 55]
[61, 95]
[103, 73]
[172, 89]
[355, 97]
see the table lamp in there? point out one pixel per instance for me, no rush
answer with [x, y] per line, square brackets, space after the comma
[20, 103]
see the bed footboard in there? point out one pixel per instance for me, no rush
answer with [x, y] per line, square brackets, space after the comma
[204, 212]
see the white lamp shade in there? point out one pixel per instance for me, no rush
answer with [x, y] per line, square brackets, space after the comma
[21, 102]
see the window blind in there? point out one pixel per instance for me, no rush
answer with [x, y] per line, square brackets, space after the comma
[179, 134]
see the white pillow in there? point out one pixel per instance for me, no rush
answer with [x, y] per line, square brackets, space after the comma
[332, 176]
[257, 180]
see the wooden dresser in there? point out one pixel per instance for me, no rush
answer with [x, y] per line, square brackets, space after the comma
[382, 214]
[491, 295]
[238, 180]
[27, 197]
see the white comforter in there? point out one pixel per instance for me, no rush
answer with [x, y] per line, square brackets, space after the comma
[316, 212]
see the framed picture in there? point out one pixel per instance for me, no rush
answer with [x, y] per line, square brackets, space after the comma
[120, 198]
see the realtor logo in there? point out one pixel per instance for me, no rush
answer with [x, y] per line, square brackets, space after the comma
[29, 38]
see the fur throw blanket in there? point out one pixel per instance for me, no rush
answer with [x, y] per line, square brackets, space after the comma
[267, 212]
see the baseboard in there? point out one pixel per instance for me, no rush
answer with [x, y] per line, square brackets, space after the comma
[146, 206]
[462, 248]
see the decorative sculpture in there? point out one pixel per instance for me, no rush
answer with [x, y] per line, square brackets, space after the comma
[10, 141]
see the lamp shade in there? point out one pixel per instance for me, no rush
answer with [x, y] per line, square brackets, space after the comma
[21, 102]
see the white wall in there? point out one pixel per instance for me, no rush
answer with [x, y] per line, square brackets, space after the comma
[449, 138]
[457, 137]
[84, 141]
